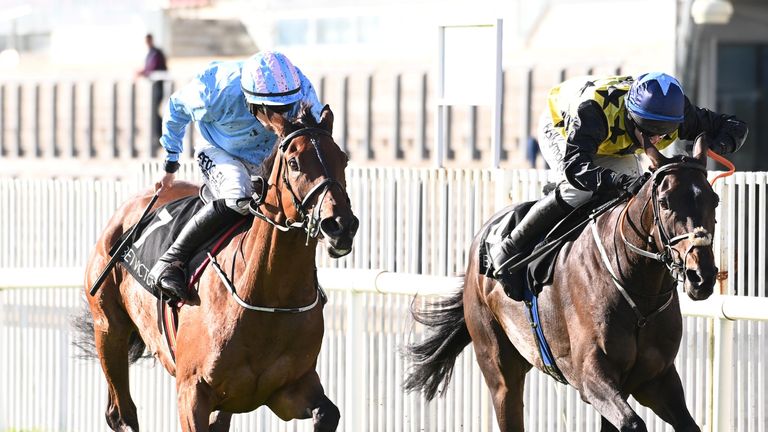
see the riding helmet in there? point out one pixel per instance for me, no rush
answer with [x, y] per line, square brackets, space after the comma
[269, 78]
[656, 103]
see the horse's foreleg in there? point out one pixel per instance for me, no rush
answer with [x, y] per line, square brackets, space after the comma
[664, 395]
[194, 400]
[219, 421]
[304, 399]
[600, 390]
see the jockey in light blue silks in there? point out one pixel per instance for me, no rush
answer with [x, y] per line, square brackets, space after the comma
[223, 101]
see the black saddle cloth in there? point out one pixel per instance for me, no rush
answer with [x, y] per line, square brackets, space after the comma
[539, 271]
[155, 233]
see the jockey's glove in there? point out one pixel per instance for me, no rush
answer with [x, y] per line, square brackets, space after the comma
[730, 137]
[630, 184]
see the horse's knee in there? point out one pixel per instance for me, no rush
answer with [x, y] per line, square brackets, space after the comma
[326, 416]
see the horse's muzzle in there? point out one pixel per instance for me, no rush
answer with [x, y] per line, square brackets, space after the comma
[700, 282]
[339, 233]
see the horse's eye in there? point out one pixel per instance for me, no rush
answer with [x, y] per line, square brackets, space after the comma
[664, 203]
[292, 164]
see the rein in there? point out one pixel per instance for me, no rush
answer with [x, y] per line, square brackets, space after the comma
[699, 237]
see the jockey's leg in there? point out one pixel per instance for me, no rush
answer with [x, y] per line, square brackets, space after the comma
[547, 212]
[664, 395]
[168, 273]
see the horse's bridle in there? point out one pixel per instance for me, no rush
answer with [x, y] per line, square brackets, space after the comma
[309, 219]
[309, 222]
[699, 237]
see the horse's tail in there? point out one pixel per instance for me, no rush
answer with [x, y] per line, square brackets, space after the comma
[434, 357]
[85, 341]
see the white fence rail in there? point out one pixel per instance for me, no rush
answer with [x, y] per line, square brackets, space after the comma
[367, 323]
[412, 221]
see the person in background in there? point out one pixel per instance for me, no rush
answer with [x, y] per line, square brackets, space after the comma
[223, 100]
[154, 61]
[591, 132]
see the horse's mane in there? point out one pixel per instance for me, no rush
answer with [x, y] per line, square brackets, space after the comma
[303, 119]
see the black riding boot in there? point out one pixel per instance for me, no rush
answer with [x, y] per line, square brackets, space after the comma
[168, 273]
[547, 212]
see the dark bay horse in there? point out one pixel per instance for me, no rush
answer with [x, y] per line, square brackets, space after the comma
[611, 317]
[230, 359]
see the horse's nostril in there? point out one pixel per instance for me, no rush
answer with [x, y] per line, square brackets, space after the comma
[693, 276]
[331, 226]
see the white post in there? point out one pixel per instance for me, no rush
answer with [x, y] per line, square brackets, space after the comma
[722, 379]
[356, 358]
[497, 101]
[439, 149]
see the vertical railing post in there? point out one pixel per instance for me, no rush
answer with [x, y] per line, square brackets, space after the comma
[134, 152]
[53, 149]
[113, 139]
[320, 89]
[18, 150]
[3, 150]
[422, 139]
[37, 148]
[90, 131]
[722, 380]
[72, 147]
[345, 116]
[472, 150]
[368, 144]
[525, 111]
[356, 359]
[397, 151]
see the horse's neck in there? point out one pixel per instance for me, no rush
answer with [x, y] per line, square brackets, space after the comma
[278, 265]
[639, 272]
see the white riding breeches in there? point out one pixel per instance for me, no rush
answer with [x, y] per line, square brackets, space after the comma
[227, 176]
[552, 145]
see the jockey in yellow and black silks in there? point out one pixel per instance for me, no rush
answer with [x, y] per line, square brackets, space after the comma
[591, 132]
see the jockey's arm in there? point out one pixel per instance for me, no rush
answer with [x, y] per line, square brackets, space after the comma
[186, 105]
[585, 132]
[728, 132]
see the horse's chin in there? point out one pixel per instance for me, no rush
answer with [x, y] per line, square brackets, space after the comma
[338, 253]
[698, 293]
[338, 247]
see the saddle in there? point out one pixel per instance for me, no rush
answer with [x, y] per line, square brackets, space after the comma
[538, 272]
[155, 233]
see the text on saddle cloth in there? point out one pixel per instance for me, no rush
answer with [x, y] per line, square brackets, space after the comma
[157, 231]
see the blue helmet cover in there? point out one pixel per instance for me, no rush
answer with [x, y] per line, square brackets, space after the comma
[657, 96]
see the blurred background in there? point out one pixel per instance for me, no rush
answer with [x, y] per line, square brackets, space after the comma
[76, 140]
[70, 105]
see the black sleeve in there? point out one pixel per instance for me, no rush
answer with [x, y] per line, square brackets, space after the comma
[585, 132]
[727, 131]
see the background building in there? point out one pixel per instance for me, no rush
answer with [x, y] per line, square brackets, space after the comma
[372, 60]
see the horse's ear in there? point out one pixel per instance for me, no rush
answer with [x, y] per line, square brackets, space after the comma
[326, 119]
[273, 121]
[700, 147]
[657, 159]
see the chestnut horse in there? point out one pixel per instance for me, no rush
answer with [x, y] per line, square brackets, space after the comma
[230, 359]
[611, 315]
